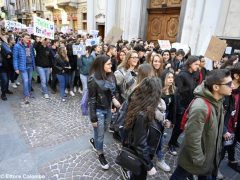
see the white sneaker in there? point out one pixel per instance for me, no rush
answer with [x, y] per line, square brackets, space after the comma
[46, 96]
[75, 89]
[66, 91]
[72, 93]
[162, 165]
[18, 83]
[80, 91]
[14, 85]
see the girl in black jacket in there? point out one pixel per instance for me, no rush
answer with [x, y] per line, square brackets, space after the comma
[101, 89]
[143, 131]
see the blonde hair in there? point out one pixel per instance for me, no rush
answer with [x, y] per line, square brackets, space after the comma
[62, 52]
[125, 63]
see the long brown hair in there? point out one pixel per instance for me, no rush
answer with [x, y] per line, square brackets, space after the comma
[145, 98]
[144, 70]
[62, 52]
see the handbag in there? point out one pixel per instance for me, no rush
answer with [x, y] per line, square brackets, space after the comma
[128, 159]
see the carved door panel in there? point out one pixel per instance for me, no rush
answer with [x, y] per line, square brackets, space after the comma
[171, 28]
[155, 27]
[162, 27]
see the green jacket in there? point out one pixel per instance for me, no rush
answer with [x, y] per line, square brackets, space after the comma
[85, 64]
[201, 148]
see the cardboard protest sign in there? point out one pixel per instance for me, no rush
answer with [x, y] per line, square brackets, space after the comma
[43, 27]
[182, 46]
[164, 44]
[216, 49]
[113, 36]
[78, 49]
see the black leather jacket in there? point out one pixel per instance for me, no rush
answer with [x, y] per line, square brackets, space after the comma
[97, 98]
[145, 139]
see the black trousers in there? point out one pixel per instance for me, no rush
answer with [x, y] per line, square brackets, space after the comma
[176, 130]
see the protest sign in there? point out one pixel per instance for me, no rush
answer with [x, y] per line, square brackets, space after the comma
[30, 30]
[92, 42]
[216, 49]
[14, 25]
[43, 27]
[94, 33]
[182, 46]
[164, 44]
[78, 49]
[113, 36]
[228, 50]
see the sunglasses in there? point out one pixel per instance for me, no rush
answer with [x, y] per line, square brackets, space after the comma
[229, 84]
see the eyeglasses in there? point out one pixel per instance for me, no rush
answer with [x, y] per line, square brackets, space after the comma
[135, 57]
[229, 84]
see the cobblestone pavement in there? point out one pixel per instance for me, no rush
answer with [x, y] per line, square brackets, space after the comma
[56, 137]
[85, 164]
[48, 122]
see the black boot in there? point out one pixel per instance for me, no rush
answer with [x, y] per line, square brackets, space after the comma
[9, 92]
[4, 97]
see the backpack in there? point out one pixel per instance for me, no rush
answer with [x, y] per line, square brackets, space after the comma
[185, 115]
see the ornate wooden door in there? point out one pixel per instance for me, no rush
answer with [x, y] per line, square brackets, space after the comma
[163, 20]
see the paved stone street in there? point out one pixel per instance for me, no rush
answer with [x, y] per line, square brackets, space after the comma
[48, 139]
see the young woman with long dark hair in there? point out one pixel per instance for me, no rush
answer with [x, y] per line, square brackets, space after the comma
[101, 88]
[141, 124]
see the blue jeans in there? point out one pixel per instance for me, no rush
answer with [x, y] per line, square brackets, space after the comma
[4, 82]
[71, 76]
[159, 151]
[104, 117]
[27, 81]
[62, 79]
[84, 80]
[182, 174]
[44, 76]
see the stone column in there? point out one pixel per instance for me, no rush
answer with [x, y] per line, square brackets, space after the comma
[110, 15]
[90, 15]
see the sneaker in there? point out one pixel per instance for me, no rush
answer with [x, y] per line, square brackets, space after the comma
[80, 91]
[18, 83]
[46, 96]
[219, 175]
[66, 91]
[125, 173]
[103, 162]
[63, 100]
[75, 89]
[235, 166]
[172, 150]
[111, 129]
[162, 165]
[65, 95]
[72, 93]
[93, 144]
[14, 85]
[9, 92]
[26, 100]
[4, 97]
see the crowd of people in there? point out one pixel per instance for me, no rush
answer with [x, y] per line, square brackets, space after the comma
[161, 88]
